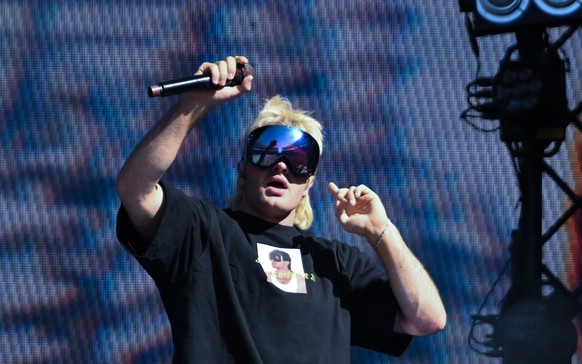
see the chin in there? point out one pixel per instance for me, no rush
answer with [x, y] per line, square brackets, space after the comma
[276, 211]
[271, 208]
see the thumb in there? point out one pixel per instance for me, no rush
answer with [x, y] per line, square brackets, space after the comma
[246, 84]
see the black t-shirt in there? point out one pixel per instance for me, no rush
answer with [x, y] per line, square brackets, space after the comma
[240, 289]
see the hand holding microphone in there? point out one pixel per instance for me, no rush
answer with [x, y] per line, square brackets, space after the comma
[200, 82]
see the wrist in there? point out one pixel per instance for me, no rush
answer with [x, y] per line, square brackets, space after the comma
[190, 110]
[375, 237]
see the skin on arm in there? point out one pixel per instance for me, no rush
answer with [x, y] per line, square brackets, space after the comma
[360, 211]
[138, 180]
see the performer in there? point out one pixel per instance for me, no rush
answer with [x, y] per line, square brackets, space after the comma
[205, 260]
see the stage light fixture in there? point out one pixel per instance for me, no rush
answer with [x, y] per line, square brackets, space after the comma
[502, 16]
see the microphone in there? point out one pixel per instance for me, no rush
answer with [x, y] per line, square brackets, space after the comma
[197, 83]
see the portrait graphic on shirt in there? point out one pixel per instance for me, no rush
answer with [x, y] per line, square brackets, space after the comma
[283, 267]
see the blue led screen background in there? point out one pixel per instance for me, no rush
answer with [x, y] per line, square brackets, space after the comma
[386, 78]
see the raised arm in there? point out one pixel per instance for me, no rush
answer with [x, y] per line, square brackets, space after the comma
[137, 182]
[361, 212]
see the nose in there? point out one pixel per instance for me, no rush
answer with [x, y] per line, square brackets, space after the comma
[281, 167]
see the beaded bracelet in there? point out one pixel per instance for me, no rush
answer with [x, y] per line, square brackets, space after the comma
[380, 237]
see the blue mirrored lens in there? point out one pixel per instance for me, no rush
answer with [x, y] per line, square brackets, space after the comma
[269, 144]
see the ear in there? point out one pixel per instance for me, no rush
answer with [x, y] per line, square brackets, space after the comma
[308, 185]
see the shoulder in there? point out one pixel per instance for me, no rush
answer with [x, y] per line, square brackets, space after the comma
[183, 206]
[338, 248]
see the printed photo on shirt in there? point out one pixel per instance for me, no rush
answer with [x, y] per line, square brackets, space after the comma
[283, 267]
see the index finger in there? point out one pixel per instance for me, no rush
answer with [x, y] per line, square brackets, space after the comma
[339, 196]
[333, 187]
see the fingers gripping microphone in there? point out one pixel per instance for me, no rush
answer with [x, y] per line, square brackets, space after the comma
[197, 83]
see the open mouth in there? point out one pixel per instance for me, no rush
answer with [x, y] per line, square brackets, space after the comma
[276, 184]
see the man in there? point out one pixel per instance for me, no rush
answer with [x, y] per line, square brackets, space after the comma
[205, 260]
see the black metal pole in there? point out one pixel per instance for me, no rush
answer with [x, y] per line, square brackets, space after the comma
[527, 260]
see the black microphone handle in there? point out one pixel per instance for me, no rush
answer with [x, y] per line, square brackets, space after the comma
[197, 83]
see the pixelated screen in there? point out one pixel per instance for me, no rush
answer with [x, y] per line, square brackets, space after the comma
[387, 80]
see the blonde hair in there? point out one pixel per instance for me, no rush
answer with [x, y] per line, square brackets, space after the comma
[278, 110]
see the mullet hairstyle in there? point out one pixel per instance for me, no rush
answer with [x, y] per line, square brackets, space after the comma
[279, 111]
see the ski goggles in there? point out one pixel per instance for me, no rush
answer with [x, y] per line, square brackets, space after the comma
[269, 144]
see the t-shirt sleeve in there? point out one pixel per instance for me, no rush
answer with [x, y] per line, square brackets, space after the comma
[373, 306]
[176, 243]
